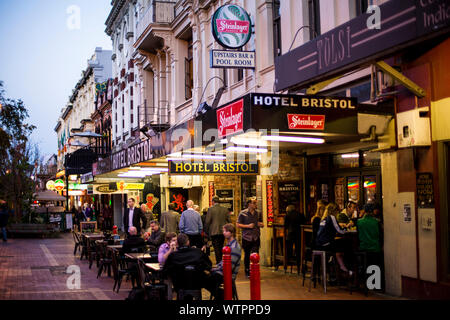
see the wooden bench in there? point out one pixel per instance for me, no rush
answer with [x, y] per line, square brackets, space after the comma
[33, 229]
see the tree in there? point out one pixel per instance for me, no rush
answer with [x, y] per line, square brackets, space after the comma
[16, 155]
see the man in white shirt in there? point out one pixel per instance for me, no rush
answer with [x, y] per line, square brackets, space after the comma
[133, 217]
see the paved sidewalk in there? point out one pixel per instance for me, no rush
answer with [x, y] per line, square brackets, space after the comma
[35, 269]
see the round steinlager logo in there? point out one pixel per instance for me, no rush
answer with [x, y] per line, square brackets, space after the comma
[59, 185]
[231, 26]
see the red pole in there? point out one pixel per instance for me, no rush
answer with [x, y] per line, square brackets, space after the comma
[227, 276]
[255, 278]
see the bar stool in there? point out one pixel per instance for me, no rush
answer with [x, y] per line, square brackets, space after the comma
[323, 257]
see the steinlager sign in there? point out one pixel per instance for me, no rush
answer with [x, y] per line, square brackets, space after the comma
[231, 26]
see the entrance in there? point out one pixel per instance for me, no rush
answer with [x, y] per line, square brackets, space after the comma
[339, 178]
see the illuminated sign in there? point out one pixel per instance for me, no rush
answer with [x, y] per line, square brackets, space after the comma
[76, 186]
[213, 168]
[50, 185]
[231, 26]
[305, 102]
[230, 119]
[270, 207]
[130, 186]
[59, 185]
[306, 122]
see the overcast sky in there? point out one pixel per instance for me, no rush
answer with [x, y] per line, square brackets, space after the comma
[43, 52]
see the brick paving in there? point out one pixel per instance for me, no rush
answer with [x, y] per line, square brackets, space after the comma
[35, 269]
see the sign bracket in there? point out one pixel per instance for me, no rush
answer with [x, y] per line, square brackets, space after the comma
[314, 89]
[408, 83]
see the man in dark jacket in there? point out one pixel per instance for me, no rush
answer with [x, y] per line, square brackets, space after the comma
[133, 217]
[4, 216]
[157, 237]
[176, 263]
[216, 218]
[134, 241]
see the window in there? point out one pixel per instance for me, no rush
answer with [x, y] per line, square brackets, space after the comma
[314, 18]
[240, 74]
[276, 28]
[189, 72]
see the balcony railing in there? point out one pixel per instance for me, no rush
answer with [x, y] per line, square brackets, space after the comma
[157, 118]
[159, 11]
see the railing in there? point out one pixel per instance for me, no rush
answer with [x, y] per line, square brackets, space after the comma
[159, 11]
[154, 116]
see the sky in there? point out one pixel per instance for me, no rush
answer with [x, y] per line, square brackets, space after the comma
[44, 47]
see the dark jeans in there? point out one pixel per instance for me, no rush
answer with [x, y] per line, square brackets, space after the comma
[249, 248]
[291, 253]
[196, 240]
[212, 284]
[218, 242]
[4, 233]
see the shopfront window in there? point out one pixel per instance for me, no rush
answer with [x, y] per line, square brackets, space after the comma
[339, 193]
[353, 185]
[370, 189]
[371, 159]
[345, 161]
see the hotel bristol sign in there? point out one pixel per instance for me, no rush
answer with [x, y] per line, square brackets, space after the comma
[232, 28]
[132, 155]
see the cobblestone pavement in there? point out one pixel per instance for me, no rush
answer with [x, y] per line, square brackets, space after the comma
[35, 269]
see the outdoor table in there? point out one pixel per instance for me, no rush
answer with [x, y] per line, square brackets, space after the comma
[136, 256]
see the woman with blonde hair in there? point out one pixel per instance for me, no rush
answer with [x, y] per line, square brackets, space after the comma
[315, 220]
[326, 235]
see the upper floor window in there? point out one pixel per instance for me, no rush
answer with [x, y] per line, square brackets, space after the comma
[314, 18]
[276, 28]
[189, 71]
[361, 6]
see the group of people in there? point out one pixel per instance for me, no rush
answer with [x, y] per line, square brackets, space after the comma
[88, 213]
[180, 239]
[330, 224]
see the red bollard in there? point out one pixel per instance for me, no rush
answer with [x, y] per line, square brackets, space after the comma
[255, 278]
[227, 274]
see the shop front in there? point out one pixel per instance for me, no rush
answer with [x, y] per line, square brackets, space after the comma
[403, 65]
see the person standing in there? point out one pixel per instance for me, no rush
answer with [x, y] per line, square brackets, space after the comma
[250, 221]
[170, 219]
[216, 218]
[133, 217]
[4, 216]
[292, 223]
[191, 225]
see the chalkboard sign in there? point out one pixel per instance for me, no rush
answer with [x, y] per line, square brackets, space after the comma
[425, 193]
[226, 199]
[289, 193]
[88, 227]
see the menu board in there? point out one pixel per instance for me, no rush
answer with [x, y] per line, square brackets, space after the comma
[425, 195]
[226, 198]
[289, 193]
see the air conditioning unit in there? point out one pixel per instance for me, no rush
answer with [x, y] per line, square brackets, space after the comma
[413, 128]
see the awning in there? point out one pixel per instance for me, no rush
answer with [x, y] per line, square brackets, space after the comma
[48, 196]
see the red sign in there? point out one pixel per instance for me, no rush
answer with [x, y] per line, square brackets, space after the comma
[230, 119]
[211, 192]
[306, 122]
[232, 26]
[270, 208]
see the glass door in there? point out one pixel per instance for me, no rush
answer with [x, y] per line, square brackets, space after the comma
[353, 188]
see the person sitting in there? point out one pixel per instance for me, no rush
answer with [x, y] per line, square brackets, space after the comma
[344, 218]
[216, 277]
[167, 248]
[369, 231]
[326, 235]
[133, 242]
[315, 220]
[174, 267]
[157, 237]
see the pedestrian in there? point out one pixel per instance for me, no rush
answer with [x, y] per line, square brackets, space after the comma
[133, 217]
[250, 221]
[191, 225]
[292, 223]
[170, 220]
[4, 217]
[216, 218]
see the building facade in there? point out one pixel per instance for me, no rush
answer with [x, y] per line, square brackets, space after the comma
[367, 97]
